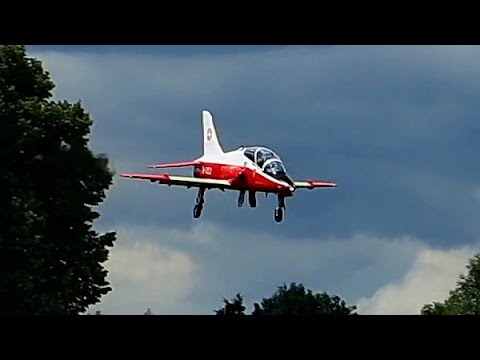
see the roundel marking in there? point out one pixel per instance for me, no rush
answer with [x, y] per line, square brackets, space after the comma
[209, 134]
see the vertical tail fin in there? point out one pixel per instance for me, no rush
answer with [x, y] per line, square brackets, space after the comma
[211, 145]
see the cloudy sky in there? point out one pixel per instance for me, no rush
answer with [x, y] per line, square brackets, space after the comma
[395, 126]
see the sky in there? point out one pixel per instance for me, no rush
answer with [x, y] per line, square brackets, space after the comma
[395, 126]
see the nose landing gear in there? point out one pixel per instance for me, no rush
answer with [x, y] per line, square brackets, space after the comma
[278, 213]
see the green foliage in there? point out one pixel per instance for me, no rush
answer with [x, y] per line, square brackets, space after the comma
[464, 299]
[97, 312]
[50, 257]
[292, 300]
[296, 300]
[235, 307]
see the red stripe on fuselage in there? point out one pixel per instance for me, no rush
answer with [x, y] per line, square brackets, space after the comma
[243, 178]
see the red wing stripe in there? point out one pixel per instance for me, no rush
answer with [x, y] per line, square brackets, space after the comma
[322, 183]
[162, 177]
[311, 184]
[175, 164]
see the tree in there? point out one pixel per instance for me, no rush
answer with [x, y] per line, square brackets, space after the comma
[50, 181]
[296, 300]
[235, 307]
[292, 300]
[464, 299]
[148, 312]
[97, 312]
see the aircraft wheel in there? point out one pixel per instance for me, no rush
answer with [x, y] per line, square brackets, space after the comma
[278, 214]
[197, 211]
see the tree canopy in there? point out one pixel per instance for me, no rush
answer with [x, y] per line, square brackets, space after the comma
[291, 300]
[464, 299]
[233, 307]
[50, 256]
[148, 312]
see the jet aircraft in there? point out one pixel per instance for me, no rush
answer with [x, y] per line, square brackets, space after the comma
[247, 169]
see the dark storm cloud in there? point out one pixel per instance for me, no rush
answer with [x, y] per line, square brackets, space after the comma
[395, 126]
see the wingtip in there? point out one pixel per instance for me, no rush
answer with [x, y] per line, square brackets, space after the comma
[329, 184]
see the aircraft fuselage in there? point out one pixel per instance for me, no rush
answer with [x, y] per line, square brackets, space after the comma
[253, 168]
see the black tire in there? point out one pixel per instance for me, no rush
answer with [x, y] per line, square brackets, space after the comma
[278, 215]
[197, 211]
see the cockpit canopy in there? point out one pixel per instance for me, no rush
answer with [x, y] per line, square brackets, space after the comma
[260, 154]
[269, 162]
[266, 159]
[274, 167]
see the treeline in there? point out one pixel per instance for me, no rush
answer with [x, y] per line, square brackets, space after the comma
[51, 259]
[463, 299]
[290, 300]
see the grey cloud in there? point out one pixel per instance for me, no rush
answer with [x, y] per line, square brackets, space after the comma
[431, 277]
[394, 125]
[143, 273]
[190, 270]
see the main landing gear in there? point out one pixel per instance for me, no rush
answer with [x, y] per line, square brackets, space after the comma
[252, 199]
[197, 210]
[278, 213]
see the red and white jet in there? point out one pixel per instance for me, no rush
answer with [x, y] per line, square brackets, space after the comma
[248, 168]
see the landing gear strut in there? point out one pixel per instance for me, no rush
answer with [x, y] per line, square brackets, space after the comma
[197, 209]
[252, 200]
[278, 213]
[241, 198]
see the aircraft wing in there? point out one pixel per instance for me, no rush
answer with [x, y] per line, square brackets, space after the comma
[188, 181]
[174, 164]
[311, 184]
